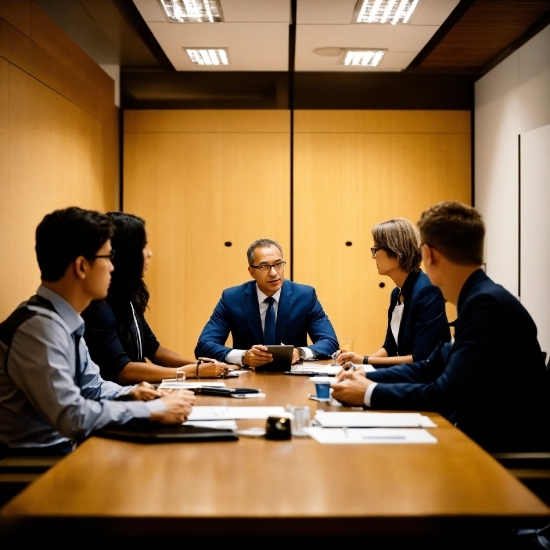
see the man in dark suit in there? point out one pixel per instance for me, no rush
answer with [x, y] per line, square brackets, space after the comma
[268, 310]
[490, 381]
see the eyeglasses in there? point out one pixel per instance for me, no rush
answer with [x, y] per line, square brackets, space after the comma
[111, 255]
[374, 250]
[279, 266]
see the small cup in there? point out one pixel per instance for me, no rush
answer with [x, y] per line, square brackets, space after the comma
[301, 421]
[180, 374]
[322, 386]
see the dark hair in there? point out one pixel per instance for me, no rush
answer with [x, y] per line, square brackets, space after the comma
[260, 243]
[127, 284]
[456, 230]
[64, 235]
[399, 238]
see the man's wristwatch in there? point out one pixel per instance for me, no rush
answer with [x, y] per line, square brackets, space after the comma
[242, 358]
[302, 353]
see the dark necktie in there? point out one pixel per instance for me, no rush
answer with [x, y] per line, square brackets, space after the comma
[77, 365]
[269, 328]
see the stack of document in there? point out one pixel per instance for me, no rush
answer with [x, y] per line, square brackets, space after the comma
[327, 370]
[371, 427]
[234, 413]
[367, 419]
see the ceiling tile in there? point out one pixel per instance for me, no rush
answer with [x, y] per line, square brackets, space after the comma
[252, 46]
[250, 11]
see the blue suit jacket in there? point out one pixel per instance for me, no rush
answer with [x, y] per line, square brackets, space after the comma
[299, 314]
[490, 382]
[424, 322]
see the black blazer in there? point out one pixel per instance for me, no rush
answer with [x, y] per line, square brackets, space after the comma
[424, 322]
[490, 382]
[111, 347]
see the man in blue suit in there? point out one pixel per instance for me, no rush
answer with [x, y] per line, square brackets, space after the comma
[268, 310]
[490, 382]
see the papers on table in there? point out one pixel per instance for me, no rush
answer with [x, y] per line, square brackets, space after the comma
[328, 370]
[171, 384]
[234, 413]
[366, 419]
[371, 435]
[317, 369]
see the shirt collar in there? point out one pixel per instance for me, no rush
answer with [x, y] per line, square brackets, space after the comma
[262, 296]
[63, 308]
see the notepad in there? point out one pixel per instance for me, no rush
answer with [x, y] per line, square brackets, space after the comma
[370, 436]
[367, 419]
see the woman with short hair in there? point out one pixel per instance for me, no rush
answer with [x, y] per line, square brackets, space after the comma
[117, 334]
[417, 321]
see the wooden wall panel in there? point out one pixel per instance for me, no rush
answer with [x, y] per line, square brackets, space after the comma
[225, 181]
[348, 181]
[56, 149]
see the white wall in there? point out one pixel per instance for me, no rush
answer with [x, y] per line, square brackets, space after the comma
[512, 99]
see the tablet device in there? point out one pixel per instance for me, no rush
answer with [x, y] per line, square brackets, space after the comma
[282, 359]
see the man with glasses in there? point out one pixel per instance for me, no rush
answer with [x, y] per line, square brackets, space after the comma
[51, 393]
[268, 310]
[490, 381]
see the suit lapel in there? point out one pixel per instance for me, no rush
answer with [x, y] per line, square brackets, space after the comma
[251, 312]
[283, 312]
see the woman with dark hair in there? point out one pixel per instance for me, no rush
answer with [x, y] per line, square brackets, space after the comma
[417, 321]
[117, 334]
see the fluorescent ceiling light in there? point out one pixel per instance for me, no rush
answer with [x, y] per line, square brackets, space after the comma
[362, 58]
[383, 11]
[208, 56]
[192, 11]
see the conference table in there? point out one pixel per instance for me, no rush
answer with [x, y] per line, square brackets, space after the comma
[255, 487]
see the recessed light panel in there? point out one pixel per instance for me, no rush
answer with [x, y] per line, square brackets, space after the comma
[192, 11]
[384, 11]
[362, 58]
[208, 56]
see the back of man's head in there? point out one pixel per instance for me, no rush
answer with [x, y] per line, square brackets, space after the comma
[64, 235]
[454, 229]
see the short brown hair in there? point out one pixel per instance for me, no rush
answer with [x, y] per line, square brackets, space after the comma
[399, 238]
[454, 229]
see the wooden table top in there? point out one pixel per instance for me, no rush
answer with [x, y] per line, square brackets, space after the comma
[254, 483]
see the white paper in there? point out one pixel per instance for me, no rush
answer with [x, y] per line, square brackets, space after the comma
[171, 384]
[218, 424]
[370, 435]
[326, 369]
[234, 413]
[367, 419]
[317, 369]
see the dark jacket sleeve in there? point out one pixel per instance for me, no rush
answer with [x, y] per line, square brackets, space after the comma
[215, 333]
[430, 322]
[320, 329]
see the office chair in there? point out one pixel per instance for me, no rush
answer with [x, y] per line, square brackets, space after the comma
[532, 469]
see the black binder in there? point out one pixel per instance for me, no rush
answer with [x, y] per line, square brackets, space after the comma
[145, 432]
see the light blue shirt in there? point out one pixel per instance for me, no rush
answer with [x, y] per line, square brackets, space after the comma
[40, 402]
